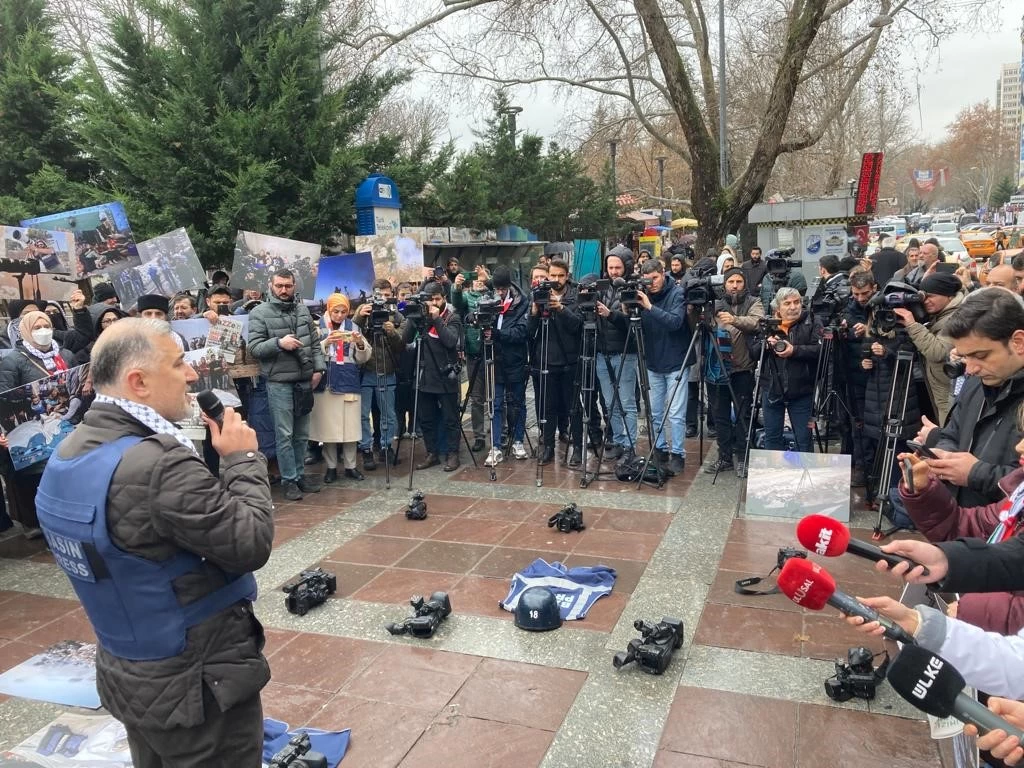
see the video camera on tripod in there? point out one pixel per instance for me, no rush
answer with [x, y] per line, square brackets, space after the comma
[701, 288]
[382, 310]
[486, 313]
[629, 289]
[589, 293]
[896, 296]
[779, 264]
[414, 309]
[541, 293]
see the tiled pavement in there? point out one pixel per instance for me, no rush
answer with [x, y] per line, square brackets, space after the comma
[745, 690]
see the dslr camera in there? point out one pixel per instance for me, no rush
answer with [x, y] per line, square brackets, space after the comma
[897, 296]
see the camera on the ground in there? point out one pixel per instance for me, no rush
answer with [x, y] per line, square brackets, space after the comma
[297, 754]
[857, 677]
[313, 588]
[427, 616]
[652, 652]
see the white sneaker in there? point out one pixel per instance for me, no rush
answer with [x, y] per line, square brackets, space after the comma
[519, 451]
[494, 457]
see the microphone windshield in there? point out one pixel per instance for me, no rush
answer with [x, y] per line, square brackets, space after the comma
[805, 583]
[823, 535]
[927, 681]
[618, 282]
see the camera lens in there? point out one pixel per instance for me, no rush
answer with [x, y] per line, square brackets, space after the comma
[779, 346]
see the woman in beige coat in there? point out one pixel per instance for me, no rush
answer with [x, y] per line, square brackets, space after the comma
[336, 417]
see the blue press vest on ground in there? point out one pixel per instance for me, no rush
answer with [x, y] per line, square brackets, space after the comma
[129, 600]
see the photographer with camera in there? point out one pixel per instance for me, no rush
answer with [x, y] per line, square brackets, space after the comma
[509, 334]
[855, 324]
[434, 322]
[834, 283]
[794, 347]
[379, 321]
[554, 300]
[976, 445]
[736, 315]
[780, 273]
[667, 336]
[283, 337]
[465, 299]
[613, 354]
[942, 295]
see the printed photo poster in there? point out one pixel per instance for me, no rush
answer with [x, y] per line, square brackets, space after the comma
[258, 256]
[169, 265]
[31, 250]
[73, 740]
[792, 485]
[42, 287]
[103, 237]
[213, 371]
[64, 673]
[396, 258]
[349, 273]
[226, 336]
[36, 417]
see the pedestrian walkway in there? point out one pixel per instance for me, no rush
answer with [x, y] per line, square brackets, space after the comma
[746, 689]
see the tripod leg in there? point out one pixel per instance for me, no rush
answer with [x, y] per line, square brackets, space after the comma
[415, 411]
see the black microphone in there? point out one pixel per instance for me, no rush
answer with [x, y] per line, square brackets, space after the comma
[618, 282]
[932, 685]
[211, 405]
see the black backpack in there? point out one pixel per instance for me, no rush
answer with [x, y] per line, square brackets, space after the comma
[632, 470]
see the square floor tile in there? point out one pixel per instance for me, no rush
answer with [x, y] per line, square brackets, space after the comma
[373, 550]
[603, 615]
[467, 742]
[627, 572]
[750, 629]
[666, 759]
[752, 559]
[828, 637]
[764, 532]
[292, 704]
[414, 677]
[532, 535]
[285, 533]
[473, 531]
[20, 617]
[400, 525]
[629, 520]
[862, 739]
[723, 590]
[505, 511]
[72, 626]
[625, 546]
[480, 596]
[521, 694]
[400, 585]
[505, 562]
[704, 722]
[350, 577]
[448, 506]
[304, 515]
[322, 662]
[444, 556]
[381, 734]
[276, 639]
[332, 494]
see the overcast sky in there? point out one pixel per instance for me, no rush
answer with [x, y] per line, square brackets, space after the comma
[962, 72]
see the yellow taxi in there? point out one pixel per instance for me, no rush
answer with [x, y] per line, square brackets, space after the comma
[978, 244]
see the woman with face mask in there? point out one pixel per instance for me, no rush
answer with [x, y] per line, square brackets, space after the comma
[36, 356]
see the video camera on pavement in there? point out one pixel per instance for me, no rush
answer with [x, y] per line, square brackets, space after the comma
[896, 296]
[312, 589]
[427, 616]
[589, 293]
[779, 262]
[857, 677]
[297, 753]
[653, 650]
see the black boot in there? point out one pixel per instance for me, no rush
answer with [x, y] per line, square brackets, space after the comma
[331, 475]
[355, 474]
[369, 461]
[548, 455]
[430, 460]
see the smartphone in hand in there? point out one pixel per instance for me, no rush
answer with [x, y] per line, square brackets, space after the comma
[921, 449]
[908, 475]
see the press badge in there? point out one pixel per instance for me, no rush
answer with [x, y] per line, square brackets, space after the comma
[70, 555]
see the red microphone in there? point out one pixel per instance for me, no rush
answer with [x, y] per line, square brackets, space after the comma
[825, 536]
[810, 586]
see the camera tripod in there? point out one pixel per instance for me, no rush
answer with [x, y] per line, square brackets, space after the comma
[829, 403]
[486, 364]
[381, 389]
[586, 376]
[421, 327]
[880, 477]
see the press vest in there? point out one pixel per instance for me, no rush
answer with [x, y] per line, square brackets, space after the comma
[130, 600]
[343, 378]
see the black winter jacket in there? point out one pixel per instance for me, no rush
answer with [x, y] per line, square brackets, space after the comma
[564, 334]
[511, 341]
[442, 346]
[20, 367]
[273, 320]
[793, 377]
[985, 424]
[878, 385]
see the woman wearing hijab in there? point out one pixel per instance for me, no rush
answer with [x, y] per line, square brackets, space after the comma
[337, 411]
[36, 356]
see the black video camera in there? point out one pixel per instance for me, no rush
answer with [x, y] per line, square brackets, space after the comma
[297, 753]
[702, 290]
[541, 294]
[567, 519]
[486, 313]
[629, 292]
[589, 293]
[312, 589]
[417, 509]
[778, 262]
[381, 311]
[653, 650]
[428, 614]
[415, 303]
[896, 296]
[857, 677]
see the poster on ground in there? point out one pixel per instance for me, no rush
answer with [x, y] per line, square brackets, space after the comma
[348, 273]
[36, 417]
[32, 250]
[169, 265]
[396, 258]
[64, 673]
[258, 256]
[103, 237]
[792, 485]
[73, 741]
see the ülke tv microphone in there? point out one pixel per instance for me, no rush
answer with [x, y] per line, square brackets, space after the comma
[825, 536]
[211, 405]
[934, 686]
[809, 585]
